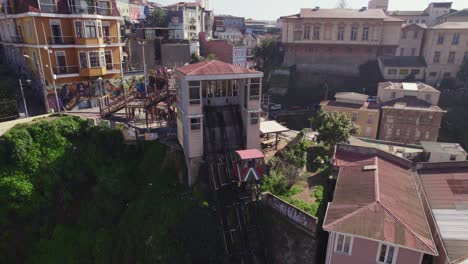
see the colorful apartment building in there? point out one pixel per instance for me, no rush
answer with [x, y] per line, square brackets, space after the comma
[72, 46]
[376, 215]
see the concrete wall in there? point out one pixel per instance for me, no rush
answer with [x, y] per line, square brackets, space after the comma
[441, 156]
[175, 54]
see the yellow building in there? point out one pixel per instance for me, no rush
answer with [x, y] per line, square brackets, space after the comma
[69, 44]
[363, 114]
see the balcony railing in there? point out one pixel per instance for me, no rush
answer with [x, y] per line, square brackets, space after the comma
[62, 40]
[66, 70]
[17, 39]
[89, 9]
[111, 39]
[112, 66]
[49, 8]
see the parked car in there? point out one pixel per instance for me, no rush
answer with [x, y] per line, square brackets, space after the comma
[276, 107]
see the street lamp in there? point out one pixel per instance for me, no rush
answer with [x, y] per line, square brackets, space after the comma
[53, 77]
[142, 44]
[22, 95]
[100, 92]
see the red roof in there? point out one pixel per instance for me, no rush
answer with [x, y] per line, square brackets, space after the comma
[250, 154]
[213, 67]
[376, 198]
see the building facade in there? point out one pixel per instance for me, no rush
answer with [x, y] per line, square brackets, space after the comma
[402, 68]
[224, 50]
[445, 50]
[378, 4]
[228, 27]
[215, 84]
[411, 40]
[362, 114]
[67, 45]
[339, 39]
[188, 19]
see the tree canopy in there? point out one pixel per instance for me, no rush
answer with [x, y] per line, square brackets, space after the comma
[333, 127]
[463, 73]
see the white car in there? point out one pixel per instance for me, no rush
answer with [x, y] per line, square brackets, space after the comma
[275, 107]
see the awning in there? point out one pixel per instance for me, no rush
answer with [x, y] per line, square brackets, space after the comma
[267, 127]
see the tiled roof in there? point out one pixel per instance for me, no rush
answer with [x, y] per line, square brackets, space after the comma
[452, 25]
[403, 61]
[213, 67]
[446, 188]
[349, 105]
[407, 13]
[342, 13]
[410, 102]
[376, 198]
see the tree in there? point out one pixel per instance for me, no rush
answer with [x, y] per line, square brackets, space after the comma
[333, 127]
[157, 18]
[342, 4]
[463, 73]
[268, 54]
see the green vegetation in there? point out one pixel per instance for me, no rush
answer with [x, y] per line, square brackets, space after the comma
[454, 126]
[8, 84]
[197, 58]
[333, 127]
[463, 73]
[268, 56]
[73, 193]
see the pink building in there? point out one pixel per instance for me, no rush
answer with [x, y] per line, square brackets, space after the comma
[376, 215]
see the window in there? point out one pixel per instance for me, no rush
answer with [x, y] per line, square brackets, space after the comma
[365, 33]
[349, 50]
[387, 254]
[306, 32]
[437, 57]
[28, 29]
[404, 71]
[415, 71]
[404, 34]
[451, 57]
[392, 71]
[253, 118]
[427, 135]
[415, 34]
[340, 33]
[447, 74]
[397, 132]
[331, 50]
[353, 33]
[83, 60]
[90, 29]
[370, 119]
[316, 33]
[94, 59]
[343, 244]
[99, 28]
[254, 89]
[440, 39]
[423, 21]
[411, 21]
[194, 92]
[61, 62]
[402, 51]
[297, 35]
[108, 57]
[354, 116]
[453, 157]
[369, 51]
[195, 123]
[456, 39]
[428, 98]
[433, 74]
[393, 95]
[79, 29]
[417, 133]
[368, 131]
[413, 51]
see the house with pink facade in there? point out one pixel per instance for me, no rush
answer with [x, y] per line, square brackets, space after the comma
[376, 215]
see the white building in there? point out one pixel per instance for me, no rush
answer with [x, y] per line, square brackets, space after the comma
[191, 20]
[411, 40]
[445, 50]
[389, 91]
[443, 152]
[216, 84]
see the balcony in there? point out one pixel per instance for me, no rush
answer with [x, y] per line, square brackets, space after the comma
[63, 70]
[91, 10]
[98, 40]
[62, 40]
[48, 8]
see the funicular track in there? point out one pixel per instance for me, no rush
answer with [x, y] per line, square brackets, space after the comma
[237, 205]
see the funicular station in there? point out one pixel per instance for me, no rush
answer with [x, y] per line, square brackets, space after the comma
[218, 109]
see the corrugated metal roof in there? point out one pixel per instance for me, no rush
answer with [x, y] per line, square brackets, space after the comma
[381, 204]
[446, 187]
[272, 126]
[213, 67]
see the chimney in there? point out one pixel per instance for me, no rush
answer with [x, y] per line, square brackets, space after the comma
[363, 9]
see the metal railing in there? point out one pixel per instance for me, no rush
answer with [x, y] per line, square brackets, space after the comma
[62, 40]
[90, 9]
[66, 69]
[111, 39]
[49, 8]
[112, 66]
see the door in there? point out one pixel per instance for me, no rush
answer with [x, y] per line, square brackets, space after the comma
[106, 32]
[61, 62]
[56, 31]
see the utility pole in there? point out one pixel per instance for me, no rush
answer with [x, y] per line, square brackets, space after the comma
[50, 68]
[22, 95]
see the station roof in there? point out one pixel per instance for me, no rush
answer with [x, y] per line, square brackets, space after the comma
[376, 198]
[250, 154]
[267, 127]
[213, 67]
